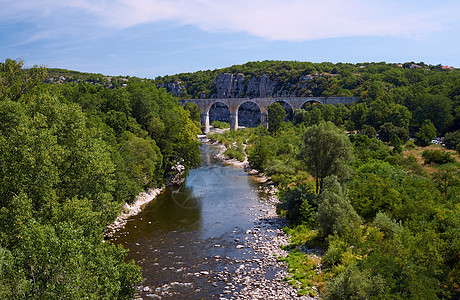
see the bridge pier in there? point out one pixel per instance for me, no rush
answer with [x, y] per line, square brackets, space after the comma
[205, 121]
[264, 120]
[234, 121]
[234, 103]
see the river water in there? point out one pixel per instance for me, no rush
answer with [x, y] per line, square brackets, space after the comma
[193, 239]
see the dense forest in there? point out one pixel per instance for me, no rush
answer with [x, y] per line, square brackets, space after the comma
[363, 184]
[71, 154]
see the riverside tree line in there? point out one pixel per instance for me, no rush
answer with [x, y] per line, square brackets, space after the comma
[70, 156]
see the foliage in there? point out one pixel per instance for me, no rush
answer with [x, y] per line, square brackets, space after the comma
[16, 81]
[410, 145]
[369, 131]
[55, 200]
[426, 134]
[325, 151]
[70, 155]
[276, 116]
[437, 156]
[452, 140]
[335, 212]
[195, 113]
[261, 151]
[297, 201]
[236, 151]
[388, 130]
[355, 284]
[220, 124]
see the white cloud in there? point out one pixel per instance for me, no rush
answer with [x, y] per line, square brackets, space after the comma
[295, 20]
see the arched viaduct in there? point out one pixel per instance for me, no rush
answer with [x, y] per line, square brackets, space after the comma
[234, 104]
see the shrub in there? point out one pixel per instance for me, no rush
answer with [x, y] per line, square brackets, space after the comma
[220, 124]
[410, 145]
[437, 156]
[298, 201]
[452, 140]
[426, 134]
[236, 151]
[355, 284]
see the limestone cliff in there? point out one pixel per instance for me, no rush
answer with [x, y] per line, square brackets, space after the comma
[227, 85]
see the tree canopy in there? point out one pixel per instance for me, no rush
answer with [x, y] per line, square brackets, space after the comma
[325, 151]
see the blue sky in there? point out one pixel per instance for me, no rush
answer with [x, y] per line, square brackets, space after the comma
[149, 38]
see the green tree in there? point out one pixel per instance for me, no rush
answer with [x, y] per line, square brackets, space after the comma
[55, 202]
[369, 131]
[388, 130]
[426, 134]
[16, 81]
[335, 213]
[276, 116]
[142, 159]
[195, 113]
[436, 108]
[261, 152]
[452, 140]
[325, 151]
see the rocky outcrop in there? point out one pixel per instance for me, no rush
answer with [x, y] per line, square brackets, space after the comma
[176, 88]
[234, 86]
[227, 85]
[261, 86]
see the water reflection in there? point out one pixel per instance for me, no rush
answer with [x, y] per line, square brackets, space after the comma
[180, 232]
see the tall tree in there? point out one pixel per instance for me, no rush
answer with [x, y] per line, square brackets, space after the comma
[276, 116]
[325, 151]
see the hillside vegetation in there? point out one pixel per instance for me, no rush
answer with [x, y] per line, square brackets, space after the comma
[71, 155]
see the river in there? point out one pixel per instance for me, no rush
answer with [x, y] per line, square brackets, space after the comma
[213, 237]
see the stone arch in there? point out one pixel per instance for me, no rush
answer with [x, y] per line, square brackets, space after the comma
[311, 101]
[247, 117]
[218, 110]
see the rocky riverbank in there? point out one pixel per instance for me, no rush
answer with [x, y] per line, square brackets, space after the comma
[133, 209]
[262, 276]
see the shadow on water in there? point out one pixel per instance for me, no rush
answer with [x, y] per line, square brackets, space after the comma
[176, 237]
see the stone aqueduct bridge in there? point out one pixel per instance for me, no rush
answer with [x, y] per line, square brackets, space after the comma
[234, 104]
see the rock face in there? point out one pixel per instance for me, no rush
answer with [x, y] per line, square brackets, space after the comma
[228, 85]
[261, 87]
[176, 88]
[234, 86]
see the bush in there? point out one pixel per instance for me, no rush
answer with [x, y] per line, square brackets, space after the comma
[410, 145]
[220, 124]
[355, 284]
[299, 202]
[452, 140]
[236, 151]
[388, 130]
[437, 156]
